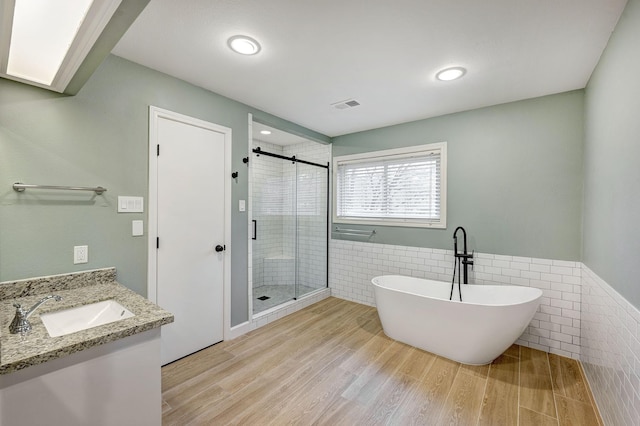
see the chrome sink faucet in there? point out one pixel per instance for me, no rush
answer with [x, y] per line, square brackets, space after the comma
[20, 323]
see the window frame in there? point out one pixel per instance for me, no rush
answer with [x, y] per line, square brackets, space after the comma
[417, 150]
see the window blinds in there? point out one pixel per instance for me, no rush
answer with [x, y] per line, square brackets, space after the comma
[395, 188]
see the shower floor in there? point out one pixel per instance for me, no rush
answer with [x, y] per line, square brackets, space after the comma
[277, 294]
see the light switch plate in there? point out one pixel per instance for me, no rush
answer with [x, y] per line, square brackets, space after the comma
[137, 228]
[242, 206]
[130, 204]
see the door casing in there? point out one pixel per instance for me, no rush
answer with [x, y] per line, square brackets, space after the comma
[156, 114]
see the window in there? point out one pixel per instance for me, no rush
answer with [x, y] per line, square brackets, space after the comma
[401, 187]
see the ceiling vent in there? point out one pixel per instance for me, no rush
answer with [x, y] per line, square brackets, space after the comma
[349, 103]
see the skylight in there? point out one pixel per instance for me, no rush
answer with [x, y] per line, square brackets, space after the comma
[41, 36]
[50, 39]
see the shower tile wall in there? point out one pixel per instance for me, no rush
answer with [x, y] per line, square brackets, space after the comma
[610, 336]
[272, 259]
[309, 151]
[555, 327]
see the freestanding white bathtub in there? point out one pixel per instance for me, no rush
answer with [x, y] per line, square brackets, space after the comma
[476, 331]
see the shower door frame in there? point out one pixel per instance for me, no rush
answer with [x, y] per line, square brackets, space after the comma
[327, 167]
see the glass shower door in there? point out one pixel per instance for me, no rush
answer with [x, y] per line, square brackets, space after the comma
[311, 228]
[286, 268]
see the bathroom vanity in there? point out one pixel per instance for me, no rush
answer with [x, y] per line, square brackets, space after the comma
[103, 375]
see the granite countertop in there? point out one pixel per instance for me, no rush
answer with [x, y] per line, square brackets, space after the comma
[36, 347]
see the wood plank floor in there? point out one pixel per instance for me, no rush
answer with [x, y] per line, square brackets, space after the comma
[331, 364]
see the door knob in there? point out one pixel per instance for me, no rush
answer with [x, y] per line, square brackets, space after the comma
[220, 248]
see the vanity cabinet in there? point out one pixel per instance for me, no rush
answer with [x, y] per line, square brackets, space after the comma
[117, 384]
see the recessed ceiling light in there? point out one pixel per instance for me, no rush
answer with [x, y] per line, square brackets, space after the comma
[449, 74]
[244, 45]
[265, 132]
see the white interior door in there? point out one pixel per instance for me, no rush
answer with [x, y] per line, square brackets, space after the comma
[190, 222]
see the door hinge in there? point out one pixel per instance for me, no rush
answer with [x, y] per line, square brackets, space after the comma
[157, 242]
[158, 150]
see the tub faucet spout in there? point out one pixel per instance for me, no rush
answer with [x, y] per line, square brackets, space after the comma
[20, 323]
[462, 261]
[465, 257]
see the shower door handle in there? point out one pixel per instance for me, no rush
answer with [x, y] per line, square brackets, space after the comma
[220, 248]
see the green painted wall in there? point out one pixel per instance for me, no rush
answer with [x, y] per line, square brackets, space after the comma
[100, 137]
[514, 176]
[612, 160]
[515, 171]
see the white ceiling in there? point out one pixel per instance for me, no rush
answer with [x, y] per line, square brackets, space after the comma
[277, 136]
[382, 53]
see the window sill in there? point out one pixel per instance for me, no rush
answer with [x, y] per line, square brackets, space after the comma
[390, 222]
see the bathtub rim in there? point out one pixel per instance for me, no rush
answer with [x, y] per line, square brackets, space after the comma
[488, 286]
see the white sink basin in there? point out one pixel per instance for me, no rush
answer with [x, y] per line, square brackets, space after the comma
[83, 317]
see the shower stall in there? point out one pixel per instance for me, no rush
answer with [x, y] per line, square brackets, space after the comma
[289, 227]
